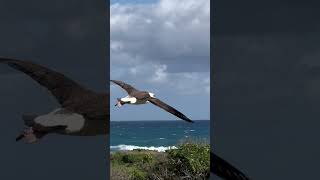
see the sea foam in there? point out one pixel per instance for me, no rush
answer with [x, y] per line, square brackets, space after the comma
[123, 147]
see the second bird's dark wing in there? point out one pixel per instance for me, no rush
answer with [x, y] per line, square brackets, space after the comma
[124, 86]
[61, 87]
[225, 170]
[169, 109]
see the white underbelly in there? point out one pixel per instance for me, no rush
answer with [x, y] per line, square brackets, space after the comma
[133, 100]
[73, 121]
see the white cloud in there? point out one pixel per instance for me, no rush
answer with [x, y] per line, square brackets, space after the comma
[191, 83]
[164, 42]
[160, 74]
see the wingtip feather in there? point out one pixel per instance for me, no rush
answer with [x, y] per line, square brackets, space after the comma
[3, 60]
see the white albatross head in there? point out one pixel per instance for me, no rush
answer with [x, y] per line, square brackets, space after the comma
[152, 95]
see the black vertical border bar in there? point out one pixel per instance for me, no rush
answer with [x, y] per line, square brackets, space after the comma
[286, 144]
[107, 6]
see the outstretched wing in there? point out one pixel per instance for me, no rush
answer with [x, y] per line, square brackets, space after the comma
[225, 170]
[169, 109]
[61, 87]
[124, 86]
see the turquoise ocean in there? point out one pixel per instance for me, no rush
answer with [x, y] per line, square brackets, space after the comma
[155, 135]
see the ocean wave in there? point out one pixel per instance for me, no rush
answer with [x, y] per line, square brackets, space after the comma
[123, 147]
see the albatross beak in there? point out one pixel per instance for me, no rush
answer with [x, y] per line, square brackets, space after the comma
[118, 104]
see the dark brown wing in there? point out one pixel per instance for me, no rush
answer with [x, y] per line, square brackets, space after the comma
[59, 85]
[124, 86]
[225, 170]
[168, 108]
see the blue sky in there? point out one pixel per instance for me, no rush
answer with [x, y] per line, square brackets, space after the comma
[163, 47]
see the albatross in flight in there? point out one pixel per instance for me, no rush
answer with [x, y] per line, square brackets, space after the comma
[137, 97]
[82, 112]
[219, 166]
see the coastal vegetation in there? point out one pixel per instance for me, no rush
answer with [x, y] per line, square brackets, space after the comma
[190, 160]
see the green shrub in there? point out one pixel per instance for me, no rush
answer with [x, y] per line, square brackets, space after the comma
[137, 175]
[191, 160]
[147, 158]
[137, 158]
[192, 157]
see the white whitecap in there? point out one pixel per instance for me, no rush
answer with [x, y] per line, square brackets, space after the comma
[123, 147]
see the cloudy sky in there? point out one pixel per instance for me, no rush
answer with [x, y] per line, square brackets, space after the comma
[161, 46]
